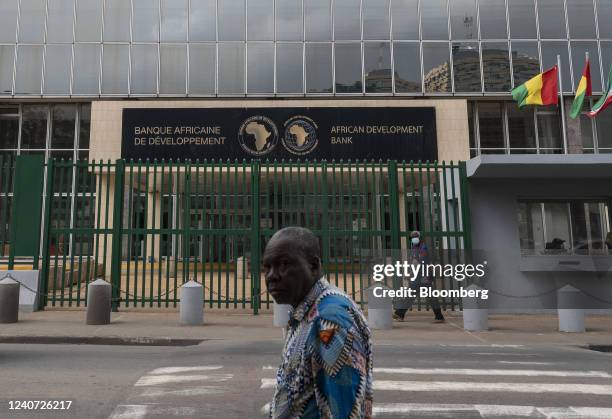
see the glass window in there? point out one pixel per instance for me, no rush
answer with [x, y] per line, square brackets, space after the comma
[202, 20]
[145, 21]
[522, 19]
[405, 17]
[466, 67]
[493, 19]
[89, 21]
[32, 21]
[556, 227]
[604, 130]
[521, 127]
[7, 59]
[491, 125]
[202, 65]
[231, 20]
[174, 20]
[604, 16]
[173, 69]
[464, 19]
[60, 20]
[29, 69]
[347, 21]
[260, 26]
[348, 68]
[549, 127]
[318, 68]
[552, 19]
[407, 67]
[231, 68]
[63, 126]
[495, 67]
[84, 125]
[57, 69]
[376, 19]
[8, 20]
[289, 21]
[144, 69]
[377, 67]
[606, 58]
[579, 50]
[34, 126]
[584, 136]
[117, 21]
[434, 18]
[550, 50]
[261, 68]
[289, 69]
[115, 69]
[581, 18]
[436, 67]
[9, 129]
[86, 72]
[525, 61]
[318, 20]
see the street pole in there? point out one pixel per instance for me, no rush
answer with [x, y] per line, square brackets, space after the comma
[563, 125]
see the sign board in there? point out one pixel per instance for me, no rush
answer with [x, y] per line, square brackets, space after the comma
[280, 133]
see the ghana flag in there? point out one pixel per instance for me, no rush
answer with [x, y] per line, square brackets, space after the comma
[605, 101]
[582, 91]
[540, 90]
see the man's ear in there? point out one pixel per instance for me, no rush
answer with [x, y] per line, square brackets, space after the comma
[315, 266]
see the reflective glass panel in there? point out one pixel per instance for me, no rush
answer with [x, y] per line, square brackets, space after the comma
[260, 25]
[34, 126]
[9, 131]
[318, 68]
[405, 17]
[434, 18]
[552, 19]
[231, 20]
[145, 21]
[84, 125]
[202, 20]
[493, 19]
[57, 69]
[7, 59]
[550, 50]
[466, 67]
[377, 67]
[318, 20]
[289, 21]
[525, 61]
[604, 130]
[202, 65]
[347, 23]
[174, 20]
[521, 127]
[581, 17]
[32, 21]
[522, 19]
[464, 19]
[231, 68]
[60, 20]
[376, 19]
[491, 125]
[584, 136]
[63, 126]
[8, 20]
[604, 16]
[144, 69]
[407, 67]
[579, 50]
[549, 127]
[289, 70]
[348, 68]
[86, 72]
[261, 68]
[495, 67]
[117, 21]
[606, 58]
[115, 69]
[29, 69]
[436, 67]
[89, 20]
[173, 69]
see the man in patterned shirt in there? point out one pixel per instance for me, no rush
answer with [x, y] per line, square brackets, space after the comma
[326, 368]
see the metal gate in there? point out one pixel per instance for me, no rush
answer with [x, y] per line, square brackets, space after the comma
[148, 227]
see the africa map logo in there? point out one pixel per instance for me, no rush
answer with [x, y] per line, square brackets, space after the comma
[258, 135]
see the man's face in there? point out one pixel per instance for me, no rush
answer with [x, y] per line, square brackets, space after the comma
[289, 274]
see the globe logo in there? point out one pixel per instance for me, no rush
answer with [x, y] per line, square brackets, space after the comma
[300, 135]
[258, 135]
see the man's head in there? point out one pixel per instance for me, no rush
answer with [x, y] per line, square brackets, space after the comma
[292, 264]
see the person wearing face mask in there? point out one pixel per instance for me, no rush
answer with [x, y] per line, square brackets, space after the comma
[418, 254]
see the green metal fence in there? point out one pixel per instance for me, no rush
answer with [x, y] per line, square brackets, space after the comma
[148, 227]
[7, 170]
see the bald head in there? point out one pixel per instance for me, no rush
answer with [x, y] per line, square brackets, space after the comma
[303, 239]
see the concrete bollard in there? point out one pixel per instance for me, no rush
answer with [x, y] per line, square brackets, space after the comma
[475, 312]
[569, 309]
[192, 304]
[99, 302]
[380, 309]
[9, 300]
[282, 312]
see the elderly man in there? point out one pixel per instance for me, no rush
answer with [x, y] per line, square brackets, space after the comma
[326, 368]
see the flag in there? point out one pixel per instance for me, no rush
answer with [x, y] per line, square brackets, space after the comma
[582, 91]
[605, 100]
[540, 90]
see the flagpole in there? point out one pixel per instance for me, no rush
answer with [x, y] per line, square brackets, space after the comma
[563, 125]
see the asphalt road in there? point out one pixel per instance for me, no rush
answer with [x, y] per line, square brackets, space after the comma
[218, 379]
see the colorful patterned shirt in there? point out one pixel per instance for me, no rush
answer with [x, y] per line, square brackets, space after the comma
[326, 369]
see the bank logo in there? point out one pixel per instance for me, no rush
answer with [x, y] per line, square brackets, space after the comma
[258, 135]
[300, 135]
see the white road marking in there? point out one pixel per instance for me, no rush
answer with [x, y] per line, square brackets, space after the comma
[529, 363]
[509, 373]
[152, 380]
[174, 370]
[129, 411]
[503, 354]
[194, 391]
[269, 367]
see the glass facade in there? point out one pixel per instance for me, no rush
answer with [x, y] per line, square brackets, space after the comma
[184, 48]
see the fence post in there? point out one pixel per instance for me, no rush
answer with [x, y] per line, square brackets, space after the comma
[255, 236]
[465, 206]
[117, 233]
[325, 214]
[46, 239]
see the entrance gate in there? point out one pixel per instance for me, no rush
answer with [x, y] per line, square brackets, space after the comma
[148, 227]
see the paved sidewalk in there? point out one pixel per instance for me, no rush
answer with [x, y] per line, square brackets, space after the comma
[232, 325]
